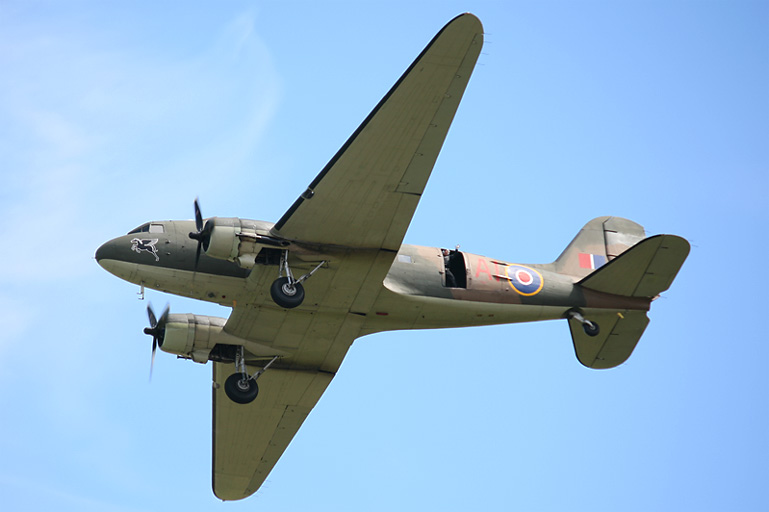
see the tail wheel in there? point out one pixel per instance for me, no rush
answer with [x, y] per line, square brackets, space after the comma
[590, 328]
[240, 388]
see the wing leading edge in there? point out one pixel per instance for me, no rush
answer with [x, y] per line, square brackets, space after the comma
[366, 195]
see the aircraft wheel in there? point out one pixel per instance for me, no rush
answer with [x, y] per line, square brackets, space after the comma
[286, 295]
[240, 390]
[590, 328]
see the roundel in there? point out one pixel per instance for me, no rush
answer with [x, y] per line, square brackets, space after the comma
[524, 280]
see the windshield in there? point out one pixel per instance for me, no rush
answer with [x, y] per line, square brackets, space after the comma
[150, 227]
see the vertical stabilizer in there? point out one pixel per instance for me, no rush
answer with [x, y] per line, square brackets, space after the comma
[600, 241]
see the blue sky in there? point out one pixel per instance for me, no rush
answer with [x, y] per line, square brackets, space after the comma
[114, 114]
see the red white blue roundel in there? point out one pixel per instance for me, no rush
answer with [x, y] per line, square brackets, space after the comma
[524, 280]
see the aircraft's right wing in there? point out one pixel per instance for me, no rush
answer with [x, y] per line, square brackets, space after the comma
[248, 439]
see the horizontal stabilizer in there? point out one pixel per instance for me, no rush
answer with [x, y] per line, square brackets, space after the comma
[619, 333]
[645, 270]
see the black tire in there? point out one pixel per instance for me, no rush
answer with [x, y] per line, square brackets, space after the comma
[591, 328]
[286, 296]
[239, 390]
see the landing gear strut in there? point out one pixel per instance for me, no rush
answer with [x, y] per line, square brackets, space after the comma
[240, 387]
[590, 328]
[286, 291]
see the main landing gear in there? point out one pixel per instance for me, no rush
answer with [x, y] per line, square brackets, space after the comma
[240, 387]
[590, 328]
[286, 291]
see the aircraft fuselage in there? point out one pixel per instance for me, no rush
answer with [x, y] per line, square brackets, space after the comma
[420, 290]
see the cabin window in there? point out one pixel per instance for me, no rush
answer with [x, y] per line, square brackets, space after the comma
[156, 228]
[455, 271]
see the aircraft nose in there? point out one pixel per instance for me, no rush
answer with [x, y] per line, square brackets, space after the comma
[100, 253]
[115, 257]
[107, 251]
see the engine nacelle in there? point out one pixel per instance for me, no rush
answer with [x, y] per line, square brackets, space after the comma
[223, 241]
[194, 336]
[237, 240]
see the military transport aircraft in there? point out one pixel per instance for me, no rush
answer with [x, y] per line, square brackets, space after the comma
[333, 269]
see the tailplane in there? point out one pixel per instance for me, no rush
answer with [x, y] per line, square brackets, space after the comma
[645, 270]
[611, 255]
[613, 343]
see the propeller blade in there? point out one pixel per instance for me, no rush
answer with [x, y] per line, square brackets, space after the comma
[203, 233]
[164, 315]
[157, 330]
[152, 362]
[198, 216]
[162, 324]
[151, 315]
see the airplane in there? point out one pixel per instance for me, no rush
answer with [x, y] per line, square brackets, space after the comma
[333, 268]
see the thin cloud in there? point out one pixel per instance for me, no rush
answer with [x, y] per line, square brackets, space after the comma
[85, 138]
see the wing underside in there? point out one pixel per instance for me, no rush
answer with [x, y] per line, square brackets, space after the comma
[248, 439]
[358, 208]
[366, 195]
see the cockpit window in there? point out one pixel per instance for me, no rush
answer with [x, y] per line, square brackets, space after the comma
[144, 227]
[148, 228]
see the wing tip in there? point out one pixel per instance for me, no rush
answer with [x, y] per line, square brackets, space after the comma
[471, 20]
[230, 496]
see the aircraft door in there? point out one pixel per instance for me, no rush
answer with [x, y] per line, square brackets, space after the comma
[455, 271]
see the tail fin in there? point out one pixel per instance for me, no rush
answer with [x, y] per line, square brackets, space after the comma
[600, 241]
[633, 267]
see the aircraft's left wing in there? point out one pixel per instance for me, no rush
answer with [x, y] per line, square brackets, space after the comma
[366, 195]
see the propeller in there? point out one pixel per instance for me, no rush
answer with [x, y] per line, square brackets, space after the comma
[203, 233]
[157, 330]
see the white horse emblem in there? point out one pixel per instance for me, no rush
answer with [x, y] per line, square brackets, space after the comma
[140, 245]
